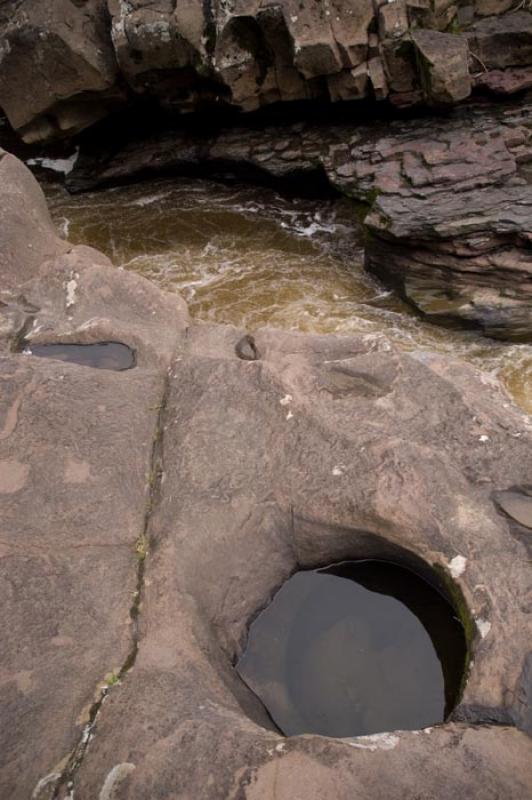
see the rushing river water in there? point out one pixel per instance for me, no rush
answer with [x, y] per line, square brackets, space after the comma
[250, 257]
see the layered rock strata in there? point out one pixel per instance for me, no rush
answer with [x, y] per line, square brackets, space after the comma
[147, 515]
[66, 63]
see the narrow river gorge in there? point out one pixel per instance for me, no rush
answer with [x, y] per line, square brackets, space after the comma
[248, 256]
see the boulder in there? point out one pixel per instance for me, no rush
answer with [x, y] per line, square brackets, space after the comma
[58, 69]
[497, 43]
[75, 484]
[27, 234]
[443, 60]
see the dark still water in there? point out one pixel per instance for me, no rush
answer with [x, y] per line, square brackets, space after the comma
[353, 649]
[101, 355]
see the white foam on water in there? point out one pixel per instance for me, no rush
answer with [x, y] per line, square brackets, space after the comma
[63, 166]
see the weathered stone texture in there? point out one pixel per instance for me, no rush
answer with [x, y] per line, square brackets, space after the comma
[65, 65]
[147, 516]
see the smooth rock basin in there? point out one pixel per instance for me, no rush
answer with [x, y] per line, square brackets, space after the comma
[356, 648]
[101, 355]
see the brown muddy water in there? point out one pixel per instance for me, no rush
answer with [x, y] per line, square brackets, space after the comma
[354, 649]
[250, 257]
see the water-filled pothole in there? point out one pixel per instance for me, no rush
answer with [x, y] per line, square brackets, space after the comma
[356, 648]
[101, 355]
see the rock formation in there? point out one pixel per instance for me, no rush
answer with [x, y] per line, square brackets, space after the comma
[91, 56]
[147, 515]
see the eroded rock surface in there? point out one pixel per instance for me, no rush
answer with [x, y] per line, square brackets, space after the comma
[67, 64]
[148, 514]
[58, 68]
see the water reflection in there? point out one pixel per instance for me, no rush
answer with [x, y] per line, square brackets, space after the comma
[355, 649]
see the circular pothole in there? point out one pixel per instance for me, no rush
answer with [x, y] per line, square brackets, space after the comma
[356, 648]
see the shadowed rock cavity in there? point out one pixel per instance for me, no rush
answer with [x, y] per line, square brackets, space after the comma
[357, 648]
[101, 355]
[246, 349]
[517, 503]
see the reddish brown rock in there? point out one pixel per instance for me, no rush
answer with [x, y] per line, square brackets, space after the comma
[73, 85]
[443, 58]
[506, 81]
[27, 235]
[148, 514]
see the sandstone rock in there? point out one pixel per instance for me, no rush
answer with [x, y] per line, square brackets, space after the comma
[270, 503]
[506, 81]
[71, 46]
[243, 55]
[148, 515]
[488, 8]
[400, 66]
[444, 66]
[393, 20]
[377, 78]
[27, 235]
[349, 84]
[497, 43]
[74, 481]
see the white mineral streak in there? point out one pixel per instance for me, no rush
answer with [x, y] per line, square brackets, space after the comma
[457, 566]
[377, 741]
[43, 783]
[71, 287]
[483, 626]
[92, 323]
[116, 776]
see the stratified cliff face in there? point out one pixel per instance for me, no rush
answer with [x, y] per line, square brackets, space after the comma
[64, 64]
